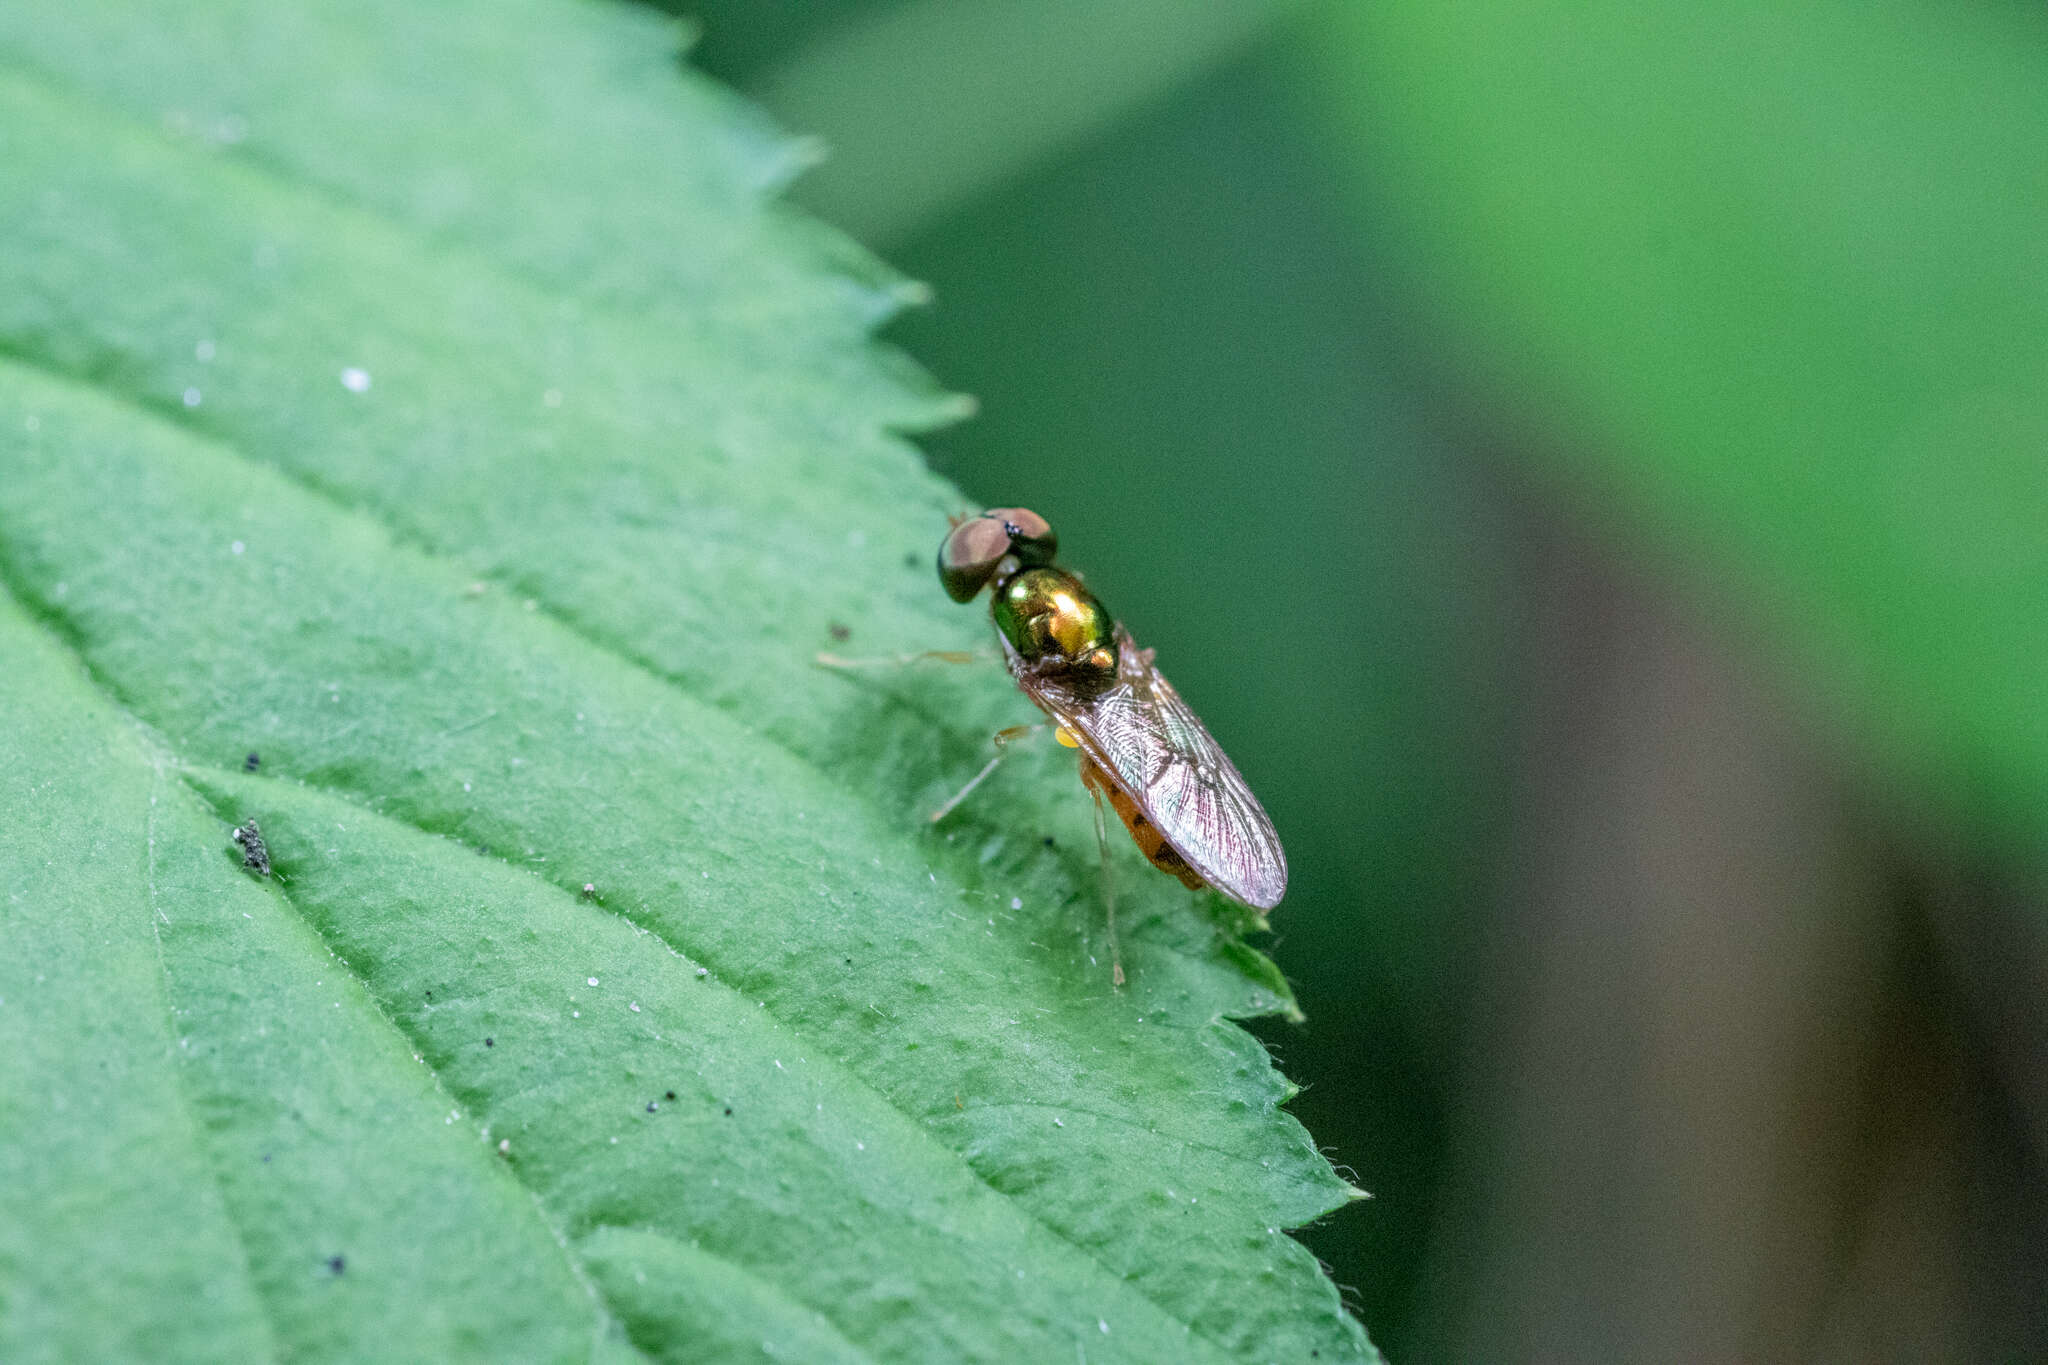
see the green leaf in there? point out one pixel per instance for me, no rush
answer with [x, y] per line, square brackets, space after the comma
[1776, 275]
[432, 404]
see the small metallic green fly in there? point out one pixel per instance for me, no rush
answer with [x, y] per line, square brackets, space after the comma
[1142, 750]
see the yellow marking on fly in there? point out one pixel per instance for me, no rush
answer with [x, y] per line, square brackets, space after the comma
[1070, 623]
[1066, 737]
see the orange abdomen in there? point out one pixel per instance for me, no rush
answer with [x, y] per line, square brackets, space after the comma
[1144, 833]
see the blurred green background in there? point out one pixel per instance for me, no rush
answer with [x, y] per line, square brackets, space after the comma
[1586, 463]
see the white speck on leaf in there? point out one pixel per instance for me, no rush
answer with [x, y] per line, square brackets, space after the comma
[203, 351]
[191, 398]
[592, 980]
[355, 380]
[236, 547]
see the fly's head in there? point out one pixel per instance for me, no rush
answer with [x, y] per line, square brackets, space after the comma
[1053, 624]
[991, 548]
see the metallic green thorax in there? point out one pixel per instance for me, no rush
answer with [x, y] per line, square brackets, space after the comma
[1049, 618]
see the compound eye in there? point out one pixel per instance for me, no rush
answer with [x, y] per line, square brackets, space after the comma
[969, 555]
[1031, 536]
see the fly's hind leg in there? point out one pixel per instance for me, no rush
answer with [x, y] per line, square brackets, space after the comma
[1004, 739]
[1116, 957]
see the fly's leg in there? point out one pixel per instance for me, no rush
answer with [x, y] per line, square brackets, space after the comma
[950, 656]
[1116, 957]
[1004, 739]
[1092, 777]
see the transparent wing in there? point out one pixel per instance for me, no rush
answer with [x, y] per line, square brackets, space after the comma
[1151, 745]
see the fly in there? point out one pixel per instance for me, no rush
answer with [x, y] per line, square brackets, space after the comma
[1142, 750]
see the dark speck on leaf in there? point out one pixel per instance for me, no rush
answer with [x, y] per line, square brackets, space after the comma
[652, 1107]
[1048, 841]
[430, 995]
[728, 1111]
[490, 1042]
[669, 1095]
[255, 853]
[912, 559]
[337, 1264]
[839, 632]
[266, 1157]
[252, 762]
